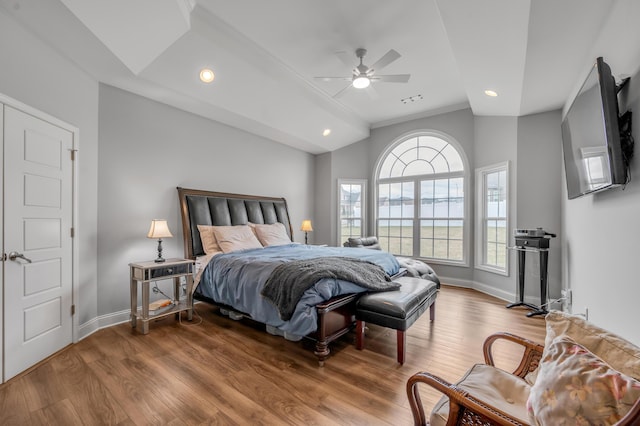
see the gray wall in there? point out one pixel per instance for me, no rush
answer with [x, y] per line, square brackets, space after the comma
[539, 177]
[530, 144]
[600, 251]
[457, 124]
[324, 218]
[35, 75]
[358, 161]
[147, 149]
[599, 232]
[346, 163]
[496, 141]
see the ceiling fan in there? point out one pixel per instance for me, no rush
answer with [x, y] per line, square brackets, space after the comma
[362, 75]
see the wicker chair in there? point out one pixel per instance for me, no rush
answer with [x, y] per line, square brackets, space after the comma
[467, 409]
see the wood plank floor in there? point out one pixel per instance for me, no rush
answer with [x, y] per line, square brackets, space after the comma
[227, 372]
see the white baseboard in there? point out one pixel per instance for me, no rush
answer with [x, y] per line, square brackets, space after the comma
[102, 321]
[88, 328]
[487, 289]
[455, 282]
[115, 318]
[495, 292]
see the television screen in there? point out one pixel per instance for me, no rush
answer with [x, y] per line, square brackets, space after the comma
[591, 137]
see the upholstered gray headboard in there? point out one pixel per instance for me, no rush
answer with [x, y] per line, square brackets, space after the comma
[218, 208]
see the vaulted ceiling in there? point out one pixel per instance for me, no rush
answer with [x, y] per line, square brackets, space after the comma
[265, 55]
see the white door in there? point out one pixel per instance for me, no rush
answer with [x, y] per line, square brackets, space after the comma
[38, 176]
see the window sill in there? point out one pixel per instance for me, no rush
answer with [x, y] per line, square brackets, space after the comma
[432, 261]
[493, 270]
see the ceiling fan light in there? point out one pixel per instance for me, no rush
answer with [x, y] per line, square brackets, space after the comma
[361, 82]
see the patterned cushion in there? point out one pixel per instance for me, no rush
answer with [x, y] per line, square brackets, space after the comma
[616, 351]
[574, 386]
[504, 391]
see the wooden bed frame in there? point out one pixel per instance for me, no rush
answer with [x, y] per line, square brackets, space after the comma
[336, 317]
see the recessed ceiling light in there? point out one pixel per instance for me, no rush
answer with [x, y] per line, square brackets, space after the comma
[206, 75]
[491, 93]
[326, 132]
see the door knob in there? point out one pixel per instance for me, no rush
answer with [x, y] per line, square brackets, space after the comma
[15, 255]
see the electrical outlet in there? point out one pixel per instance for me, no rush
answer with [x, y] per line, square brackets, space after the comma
[584, 314]
[567, 295]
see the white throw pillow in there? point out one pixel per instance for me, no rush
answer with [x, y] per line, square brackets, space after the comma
[274, 234]
[209, 242]
[234, 238]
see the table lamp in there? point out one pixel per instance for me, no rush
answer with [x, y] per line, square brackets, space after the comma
[306, 227]
[159, 229]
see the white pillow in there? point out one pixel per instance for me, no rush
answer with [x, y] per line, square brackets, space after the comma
[274, 234]
[233, 238]
[209, 242]
[253, 228]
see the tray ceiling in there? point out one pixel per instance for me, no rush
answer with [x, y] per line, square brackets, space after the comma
[266, 53]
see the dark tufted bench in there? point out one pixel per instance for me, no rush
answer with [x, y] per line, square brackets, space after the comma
[397, 309]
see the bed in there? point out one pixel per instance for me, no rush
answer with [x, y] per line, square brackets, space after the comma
[325, 312]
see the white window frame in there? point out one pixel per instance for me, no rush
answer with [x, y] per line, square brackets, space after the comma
[363, 206]
[481, 209]
[465, 174]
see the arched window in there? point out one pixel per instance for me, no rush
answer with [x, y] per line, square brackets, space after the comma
[420, 206]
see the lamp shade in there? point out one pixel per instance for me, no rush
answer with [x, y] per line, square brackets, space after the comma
[306, 226]
[159, 229]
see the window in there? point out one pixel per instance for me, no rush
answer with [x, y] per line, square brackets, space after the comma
[420, 199]
[492, 213]
[351, 206]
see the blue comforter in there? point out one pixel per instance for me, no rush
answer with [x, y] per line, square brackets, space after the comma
[236, 279]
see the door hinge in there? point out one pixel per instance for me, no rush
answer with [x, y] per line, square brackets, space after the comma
[73, 309]
[72, 232]
[4, 256]
[73, 154]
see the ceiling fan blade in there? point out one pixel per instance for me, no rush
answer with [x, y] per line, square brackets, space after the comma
[346, 58]
[388, 57]
[333, 78]
[372, 93]
[395, 78]
[342, 92]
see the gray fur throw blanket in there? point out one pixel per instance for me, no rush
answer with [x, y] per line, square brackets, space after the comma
[288, 281]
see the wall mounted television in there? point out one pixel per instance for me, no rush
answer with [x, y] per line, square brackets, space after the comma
[596, 141]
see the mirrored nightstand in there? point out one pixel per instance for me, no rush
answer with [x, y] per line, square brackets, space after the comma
[145, 272]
